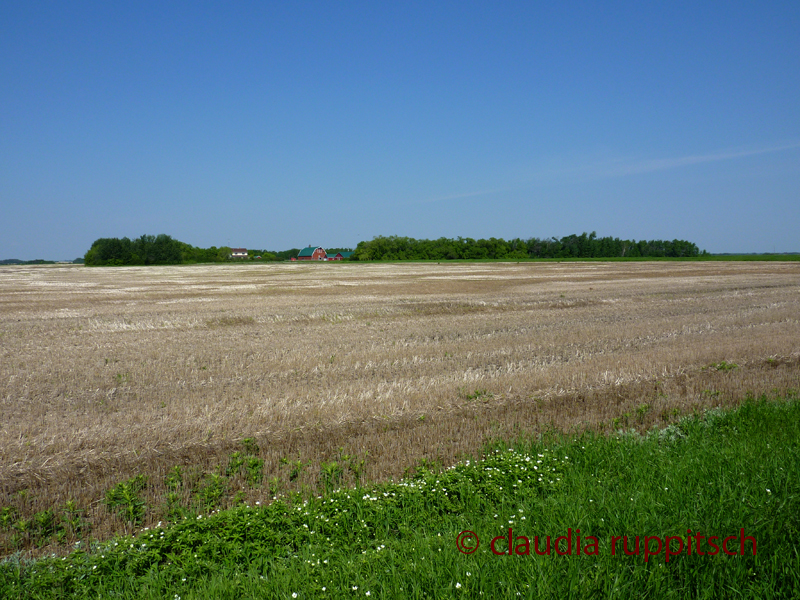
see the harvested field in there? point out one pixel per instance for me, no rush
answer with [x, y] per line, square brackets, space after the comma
[111, 372]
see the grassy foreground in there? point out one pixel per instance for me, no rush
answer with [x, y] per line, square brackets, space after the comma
[730, 477]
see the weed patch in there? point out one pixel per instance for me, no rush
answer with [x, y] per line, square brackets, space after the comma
[124, 501]
[718, 474]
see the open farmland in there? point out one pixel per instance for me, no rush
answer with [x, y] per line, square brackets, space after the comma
[107, 373]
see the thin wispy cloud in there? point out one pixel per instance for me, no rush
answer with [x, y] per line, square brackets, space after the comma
[611, 168]
[460, 196]
[631, 167]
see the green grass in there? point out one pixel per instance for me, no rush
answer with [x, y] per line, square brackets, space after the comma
[702, 258]
[715, 474]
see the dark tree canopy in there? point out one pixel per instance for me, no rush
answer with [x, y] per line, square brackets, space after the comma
[150, 250]
[571, 246]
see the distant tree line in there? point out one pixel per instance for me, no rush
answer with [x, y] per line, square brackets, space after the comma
[286, 254]
[16, 261]
[151, 250]
[164, 250]
[260, 255]
[571, 246]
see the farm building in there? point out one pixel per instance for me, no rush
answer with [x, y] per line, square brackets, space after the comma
[311, 253]
[318, 253]
[239, 252]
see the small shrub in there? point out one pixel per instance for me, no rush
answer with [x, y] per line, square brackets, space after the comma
[250, 446]
[255, 470]
[213, 488]
[330, 475]
[46, 524]
[235, 464]
[274, 486]
[723, 366]
[424, 467]
[22, 531]
[355, 466]
[477, 394]
[175, 511]
[295, 467]
[123, 499]
[174, 479]
[7, 514]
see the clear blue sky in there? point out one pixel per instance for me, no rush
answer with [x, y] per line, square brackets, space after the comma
[281, 124]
